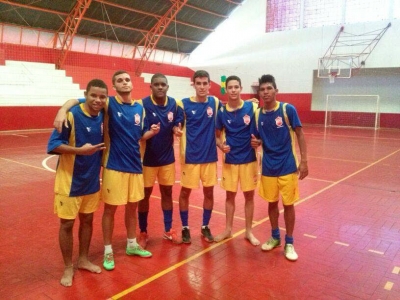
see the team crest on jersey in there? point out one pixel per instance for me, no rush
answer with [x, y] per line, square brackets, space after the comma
[170, 116]
[137, 119]
[278, 121]
[246, 119]
[209, 112]
[88, 129]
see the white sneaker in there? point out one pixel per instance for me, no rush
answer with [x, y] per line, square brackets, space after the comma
[290, 253]
[271, 244]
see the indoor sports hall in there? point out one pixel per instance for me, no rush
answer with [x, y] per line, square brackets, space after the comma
[337, 62]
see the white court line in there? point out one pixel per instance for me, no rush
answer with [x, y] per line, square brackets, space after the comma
[44, 164]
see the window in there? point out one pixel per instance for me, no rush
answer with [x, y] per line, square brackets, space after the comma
[295, 14]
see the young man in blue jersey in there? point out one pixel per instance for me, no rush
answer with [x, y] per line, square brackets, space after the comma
[125, 125]
[235, 125]
[278, 126]
[198, 152]
[158, 159]
[77, 183]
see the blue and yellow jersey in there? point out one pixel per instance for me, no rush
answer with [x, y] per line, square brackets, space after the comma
[124, 126]
[159, 150]
[198, 145]
[78, 175]
[278, 140]
[237, 126]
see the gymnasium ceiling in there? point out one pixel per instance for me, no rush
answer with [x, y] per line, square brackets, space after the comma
[125, 21]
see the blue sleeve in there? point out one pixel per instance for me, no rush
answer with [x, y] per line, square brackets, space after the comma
[146, 124]
[219, 124]
[179, 118]
[57, 139]
[253, 126]
[81, 100]
[293, 116]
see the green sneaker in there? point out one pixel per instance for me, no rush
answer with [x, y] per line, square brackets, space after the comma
[138, 251]
[108, 262]
[271, 244]
[290, 254]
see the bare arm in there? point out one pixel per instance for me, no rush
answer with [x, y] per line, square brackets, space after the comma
[154, 129]
[255, 142]
[61, 117]
[303, 167]
[177, 130]
[221, 144]
[87, 149]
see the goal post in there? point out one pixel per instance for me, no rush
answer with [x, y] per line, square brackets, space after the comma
[352, 111]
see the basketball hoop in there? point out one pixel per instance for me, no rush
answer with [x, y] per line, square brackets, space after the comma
[332, 76]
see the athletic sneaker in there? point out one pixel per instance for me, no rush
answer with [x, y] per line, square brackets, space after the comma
[139, 251]
[172, 236]
[186, 236]
[206, 233]
[271, 244]
[142, 239]
[290, 253]
[108, 262]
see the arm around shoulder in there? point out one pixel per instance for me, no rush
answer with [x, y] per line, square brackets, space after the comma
[62, 113]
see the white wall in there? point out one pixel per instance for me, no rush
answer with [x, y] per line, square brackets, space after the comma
[290, 56]
[179, 87]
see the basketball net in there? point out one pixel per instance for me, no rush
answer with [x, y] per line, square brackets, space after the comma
[332, 76]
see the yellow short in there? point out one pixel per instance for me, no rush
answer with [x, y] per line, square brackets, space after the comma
[287, 186]
[119, 188]
[165, 175]
[191, 174]
[68, 207]
[245, 174]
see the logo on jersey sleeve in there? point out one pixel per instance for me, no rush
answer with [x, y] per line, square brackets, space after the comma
[137, 119]
[170, 116]
[209, 112]
[278, 122]
[246, 119]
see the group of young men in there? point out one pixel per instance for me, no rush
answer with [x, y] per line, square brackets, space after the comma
[149, 125]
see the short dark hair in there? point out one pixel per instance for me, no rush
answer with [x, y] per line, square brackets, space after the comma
[232, 77]
[267, 79]
[199, 74]
[158, 75]
[96, 83]
[119, 72]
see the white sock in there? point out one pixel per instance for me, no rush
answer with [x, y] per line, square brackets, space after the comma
[131, 243]
[107, 249]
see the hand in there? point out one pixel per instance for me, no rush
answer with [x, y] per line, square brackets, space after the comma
[225, 148]
[61, 118]
[178, 130]
[302, 170]
[89, 149]
[254, 100]
[155, 128]
[255, 142]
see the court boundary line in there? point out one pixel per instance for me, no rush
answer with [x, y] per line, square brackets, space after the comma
[256, 223]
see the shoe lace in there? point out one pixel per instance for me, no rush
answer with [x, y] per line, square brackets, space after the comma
[289, 248]
[109, 257]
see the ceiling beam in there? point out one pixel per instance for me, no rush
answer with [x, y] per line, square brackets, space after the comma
[150, 40]
[70, 27]
[144, 32]
[150, 14]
